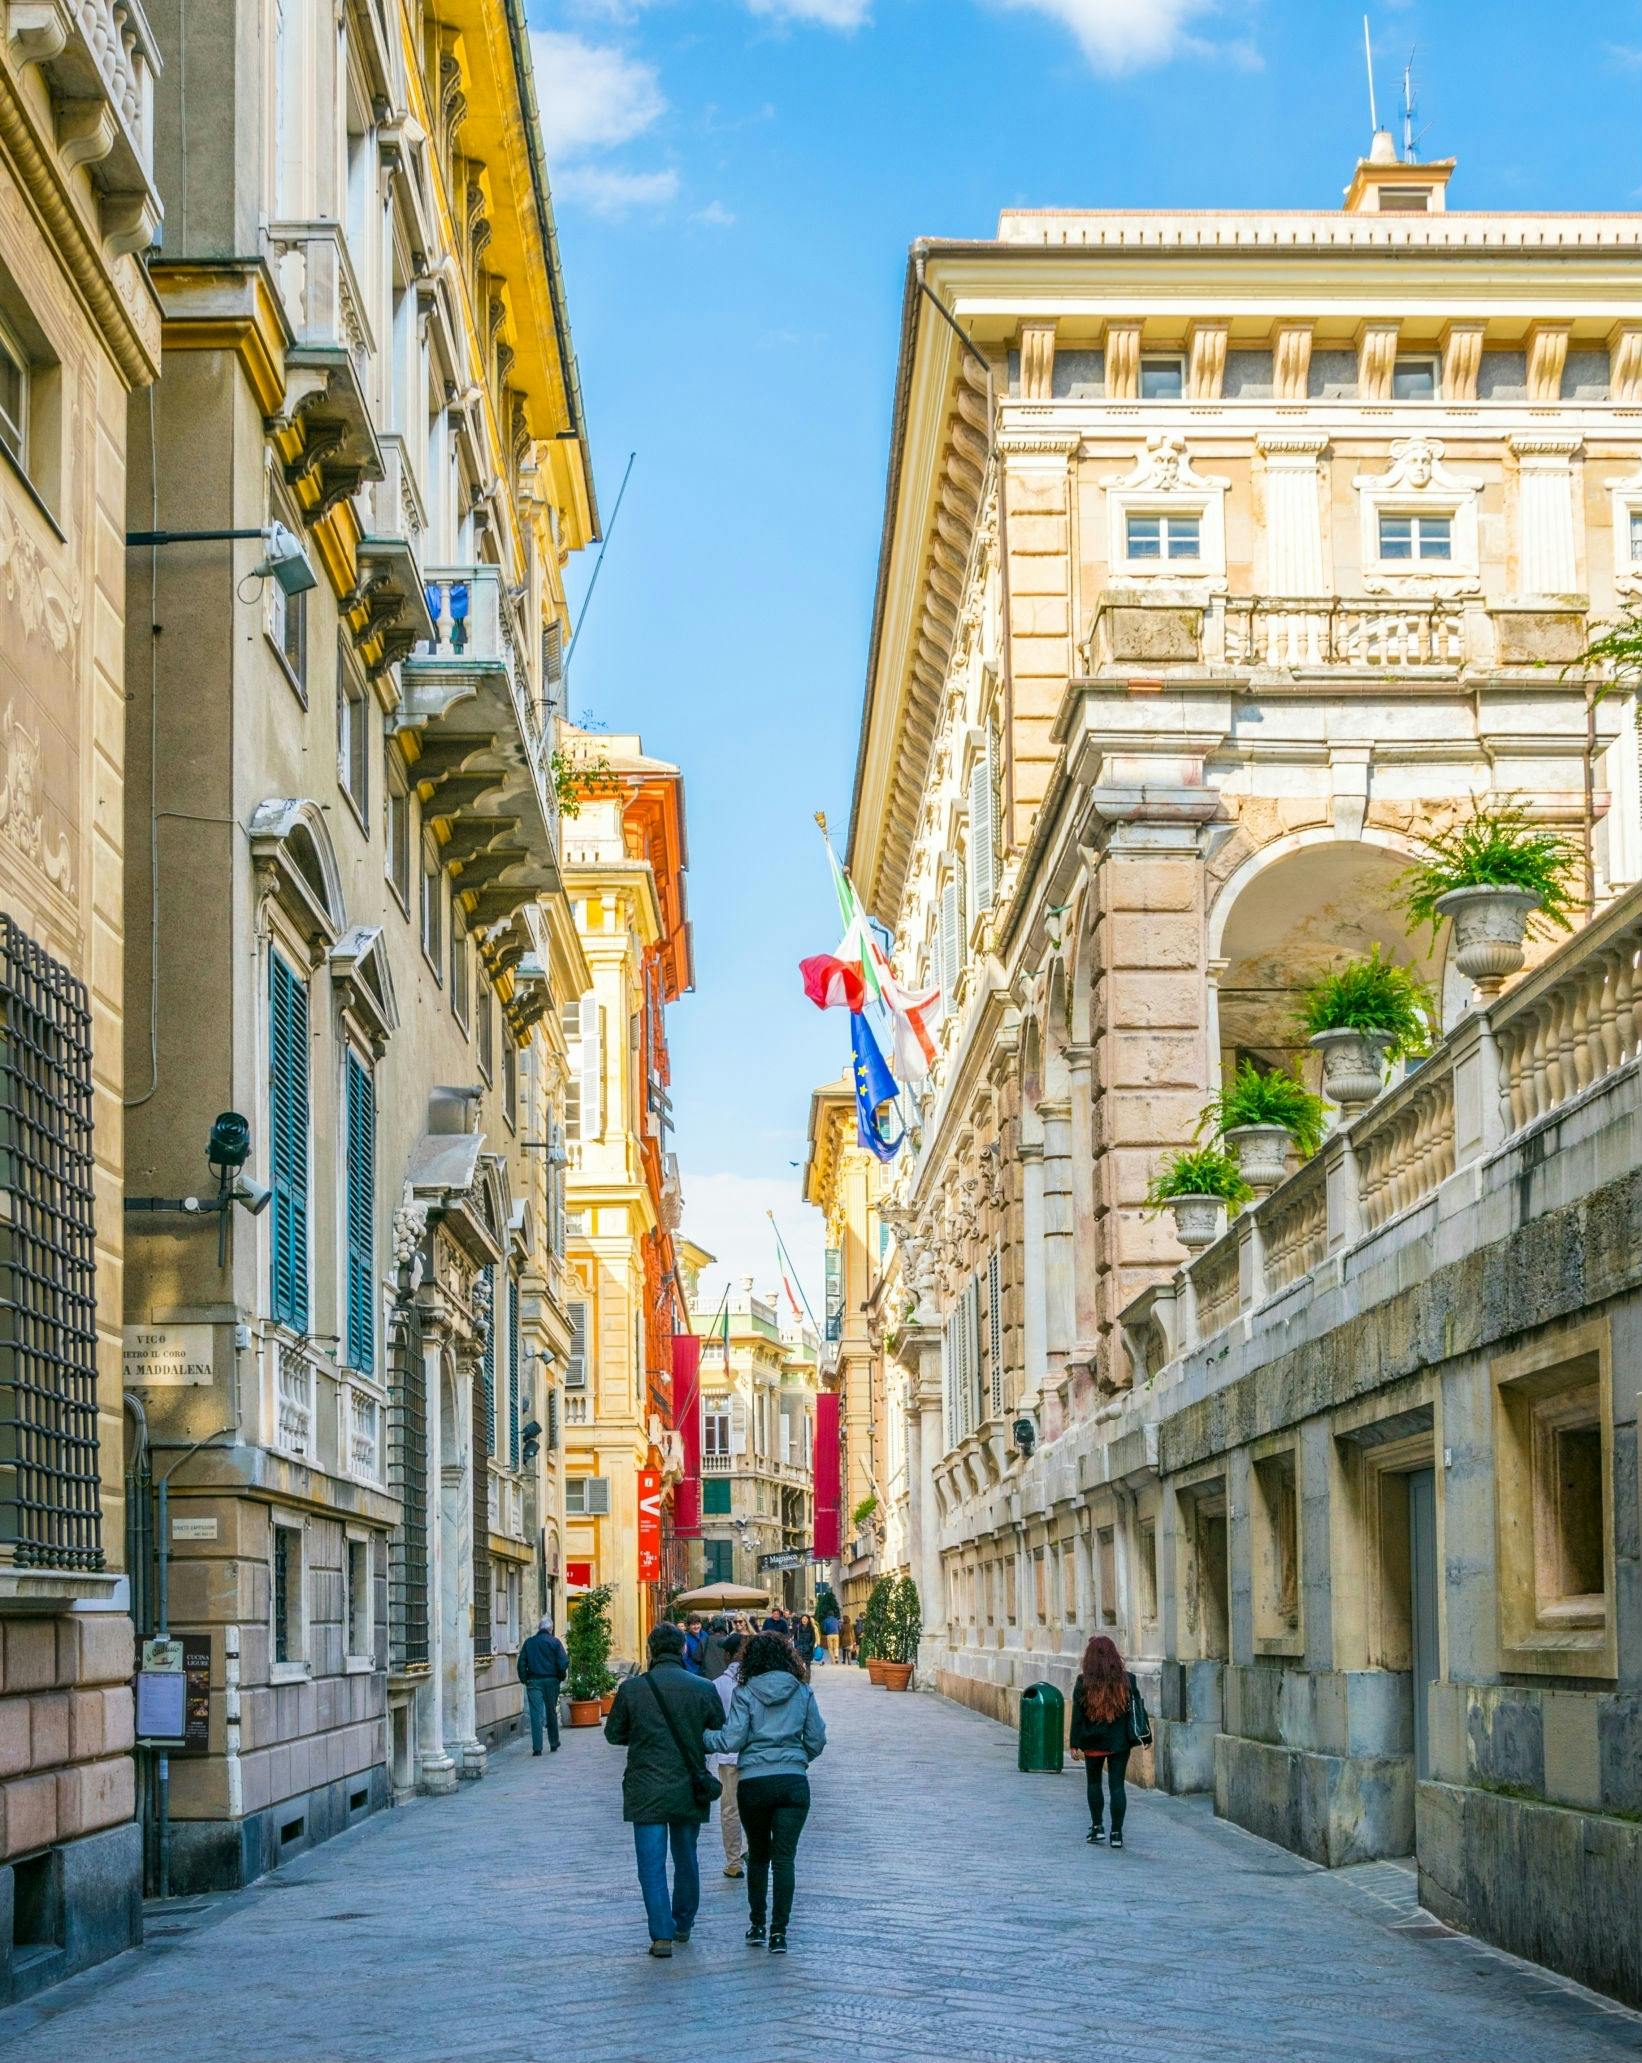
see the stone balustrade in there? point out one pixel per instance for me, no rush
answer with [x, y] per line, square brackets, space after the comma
[99, 62]
[1557, 1034]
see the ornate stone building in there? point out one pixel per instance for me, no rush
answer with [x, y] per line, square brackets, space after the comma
[79, 336]
[346, 880]
[1224, 555]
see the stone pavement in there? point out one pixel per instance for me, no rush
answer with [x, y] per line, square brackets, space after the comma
[948, 1908]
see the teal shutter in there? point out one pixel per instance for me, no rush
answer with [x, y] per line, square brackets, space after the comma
[288, 1142]
[487, 1379]
[361, 1215]
[513, 1369]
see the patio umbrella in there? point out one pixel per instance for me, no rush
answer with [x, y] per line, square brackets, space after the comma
[721, 1597]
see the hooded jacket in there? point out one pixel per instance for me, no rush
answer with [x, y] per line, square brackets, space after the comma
[775, 1727]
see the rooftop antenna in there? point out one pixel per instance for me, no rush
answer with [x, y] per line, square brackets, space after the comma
[1368, 60]
[1408, 110]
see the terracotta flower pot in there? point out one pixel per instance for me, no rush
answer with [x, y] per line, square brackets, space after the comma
[897, 1675]
[1262, 1153]
[1198, 1220]
[1490, 925]
[586, 1711]
[1353, 1065]
[607, 1703]
[875, 1669]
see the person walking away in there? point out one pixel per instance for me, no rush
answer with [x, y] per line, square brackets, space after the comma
[543, 1666]
[729, 1817]
[660, 1718]
[806, 1640]
[1108, 1720]
[846, 1637]
[775, 1731]
[695, 1644]
[713, 1657]
[831, 1636]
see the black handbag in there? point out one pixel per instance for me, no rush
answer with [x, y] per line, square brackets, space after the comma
[1140, 1722]
[704, 1786]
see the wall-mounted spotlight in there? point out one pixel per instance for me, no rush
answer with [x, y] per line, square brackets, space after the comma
[283, 560]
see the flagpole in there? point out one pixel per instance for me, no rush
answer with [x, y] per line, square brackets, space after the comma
[786, 1258]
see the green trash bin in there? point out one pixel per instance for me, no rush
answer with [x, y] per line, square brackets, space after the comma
[1043, 1729]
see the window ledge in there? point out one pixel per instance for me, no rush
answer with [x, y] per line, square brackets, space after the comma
[353, 1665]
[288, 1672]
[55, 1590]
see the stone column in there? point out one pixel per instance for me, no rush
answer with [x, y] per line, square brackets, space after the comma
[1080, 1062]
[435, 1766]
[1547, 556]
[457, 1490]
[918, 1349]
[1034, 1287]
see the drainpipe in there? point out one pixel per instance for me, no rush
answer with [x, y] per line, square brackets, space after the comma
[1590, 802]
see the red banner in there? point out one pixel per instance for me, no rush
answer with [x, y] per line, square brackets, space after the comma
[649, 1525]
[578, 1575]
[828, 1488]
[687, 1424]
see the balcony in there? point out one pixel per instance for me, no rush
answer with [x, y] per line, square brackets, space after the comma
[290, 1398]
[324, 433]
[389, 607]
[99, 62]
[359, 1432]
[715, 1464]
[1300, 635]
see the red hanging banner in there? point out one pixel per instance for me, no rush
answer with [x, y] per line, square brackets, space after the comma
[649, 1525]
[687, 1424]
[828, 1475]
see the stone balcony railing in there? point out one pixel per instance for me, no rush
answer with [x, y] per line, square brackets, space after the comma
[1556, 1035]
[99, 62]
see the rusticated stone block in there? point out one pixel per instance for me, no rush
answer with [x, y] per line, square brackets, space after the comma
[1528, 637]
[30, 1805]
[48, 1730]
[14, 1736]
[1148, 632]
[31, 1655]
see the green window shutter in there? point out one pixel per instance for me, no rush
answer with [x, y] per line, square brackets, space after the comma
[715, 1497]
[513, 1369]
[360, 1098]
[288, 1142]
[487, 1378]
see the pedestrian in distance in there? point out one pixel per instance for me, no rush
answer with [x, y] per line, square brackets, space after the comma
[660, 1717]
[695, 1644]
[806, 1639]
[712, 1655]
[1108, 1721]
[729, 1817]
[846, 1637]
[775, 1731]
[778, 1622]
[832, 1636]
[543, 1666]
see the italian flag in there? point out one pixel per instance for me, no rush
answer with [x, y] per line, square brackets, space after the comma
[912, 1050]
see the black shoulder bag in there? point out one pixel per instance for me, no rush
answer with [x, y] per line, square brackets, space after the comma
[1140, 1723]
[704, 1786]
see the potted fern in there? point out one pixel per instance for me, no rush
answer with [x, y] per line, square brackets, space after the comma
[1492, 878]
[588, 1640]
[1198, 1186]
[905, 1630]
[1362, 1016]
[1258, 1116]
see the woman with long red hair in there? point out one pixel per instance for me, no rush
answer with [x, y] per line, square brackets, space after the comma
[1108, 1720]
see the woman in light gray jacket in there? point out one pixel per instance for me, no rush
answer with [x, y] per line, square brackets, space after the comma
[775, 1731]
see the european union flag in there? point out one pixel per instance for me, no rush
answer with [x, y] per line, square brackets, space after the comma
[874, 1092]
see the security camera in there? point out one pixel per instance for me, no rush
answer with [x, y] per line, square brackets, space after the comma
[229, 1145]
[255, 1196]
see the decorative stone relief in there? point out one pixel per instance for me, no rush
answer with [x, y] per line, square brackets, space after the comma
[1417, 482]
[22, 820]
[410, 1230]
[45, 607]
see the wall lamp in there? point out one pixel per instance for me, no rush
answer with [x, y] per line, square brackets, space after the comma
[284, 559]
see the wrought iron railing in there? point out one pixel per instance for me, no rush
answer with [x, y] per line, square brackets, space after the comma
[408, 1484]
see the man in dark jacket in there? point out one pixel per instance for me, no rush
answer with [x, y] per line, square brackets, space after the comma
[543, 1667]
[658, 1797]
[714, 1661]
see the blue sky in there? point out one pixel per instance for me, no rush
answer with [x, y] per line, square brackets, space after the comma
[737, 182]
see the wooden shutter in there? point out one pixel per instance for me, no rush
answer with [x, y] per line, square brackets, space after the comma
[513, 1370]
[575, 1374]
[950, 944]
[994, 1329]
[360, 1230]
[738, 1424]
[592, 1070]
[983, 833]
[598, 1497]
[949, 1383]
[288, 1114]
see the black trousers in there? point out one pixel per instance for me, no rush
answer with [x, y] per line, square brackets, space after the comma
[773, 1812]
[1116, 1768]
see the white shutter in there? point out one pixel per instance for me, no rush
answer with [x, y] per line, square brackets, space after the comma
[949, 1380]
[592, 1069]
[575, 1374]
[950, 946]
[738, 1424]
[994, 1337]
[983, 835]
[786, 1438]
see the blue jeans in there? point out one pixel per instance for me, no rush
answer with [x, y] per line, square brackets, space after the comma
[542, 1698]
[668, 1919]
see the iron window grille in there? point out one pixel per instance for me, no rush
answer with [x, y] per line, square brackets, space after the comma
[50, 1508]
[408, 1483]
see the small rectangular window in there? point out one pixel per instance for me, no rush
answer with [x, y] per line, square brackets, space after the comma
[353, 737]
[1414, 379]
[1162, 377]
[1163, 537]
[433, 909]
[287, 1593]
[1106, 1572]
[461, 1000]
[575, 1373]
[288, 630]
[485, 1029]
[358, 1600]
[587, 1497]
[510, 1078]
[396, 835]
[1417, 537]
[1146, 1569]
[1405, 200]
[1636, 537]
[14, 398]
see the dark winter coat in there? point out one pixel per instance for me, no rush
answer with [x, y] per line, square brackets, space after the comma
[1107, 1736]
[655, 1785]
[542, 1659]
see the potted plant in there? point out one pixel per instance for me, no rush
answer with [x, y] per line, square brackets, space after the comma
[1258, 1116]
[905, 1617]
[1362, 1016]
[1198, 1186]
[873, 1642]
[1493, 877]
[587, 1642]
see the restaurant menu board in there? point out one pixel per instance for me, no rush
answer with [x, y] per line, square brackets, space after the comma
[174, 1693]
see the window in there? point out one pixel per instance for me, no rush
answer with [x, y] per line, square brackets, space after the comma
[718, 1560]
[1069, 1585]
[461, 994]
[1106, 1574]
[359, 1101]
[357, 1599]
[575, 1374]
[1146, 1569]
[1208, 1594]
[14, 397]
[485, 1029]
[587, 1497]
[1416, 537]
[289, 1617]
[575, 1224]
[715, 1497]
[583, 1021]
[353, 736]
[288, 1112]
[1276, 1548]
[396, 833]
[288, 633]
[715, 1432]
[1636, 536]
[983, 826]
[513, 1349]
[1414, 379]
[433, 906]
[510, 1078]
[953, 937]
[1405, 200]
[1163, 537]
[1162, 376]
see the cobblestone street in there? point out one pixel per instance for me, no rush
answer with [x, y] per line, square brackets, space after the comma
[947, 1908]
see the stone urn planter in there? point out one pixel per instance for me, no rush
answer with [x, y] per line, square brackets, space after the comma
[1262, 1153]
[896, 1676]
[586, 1711]
[1490, 924]
[1198, 1220]
[1353, 1065]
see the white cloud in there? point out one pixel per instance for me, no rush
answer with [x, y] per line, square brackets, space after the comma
[607, 190]
[591, 95]
[1124, 35]
[726, 1214]
[715, 216]
[831, 14]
